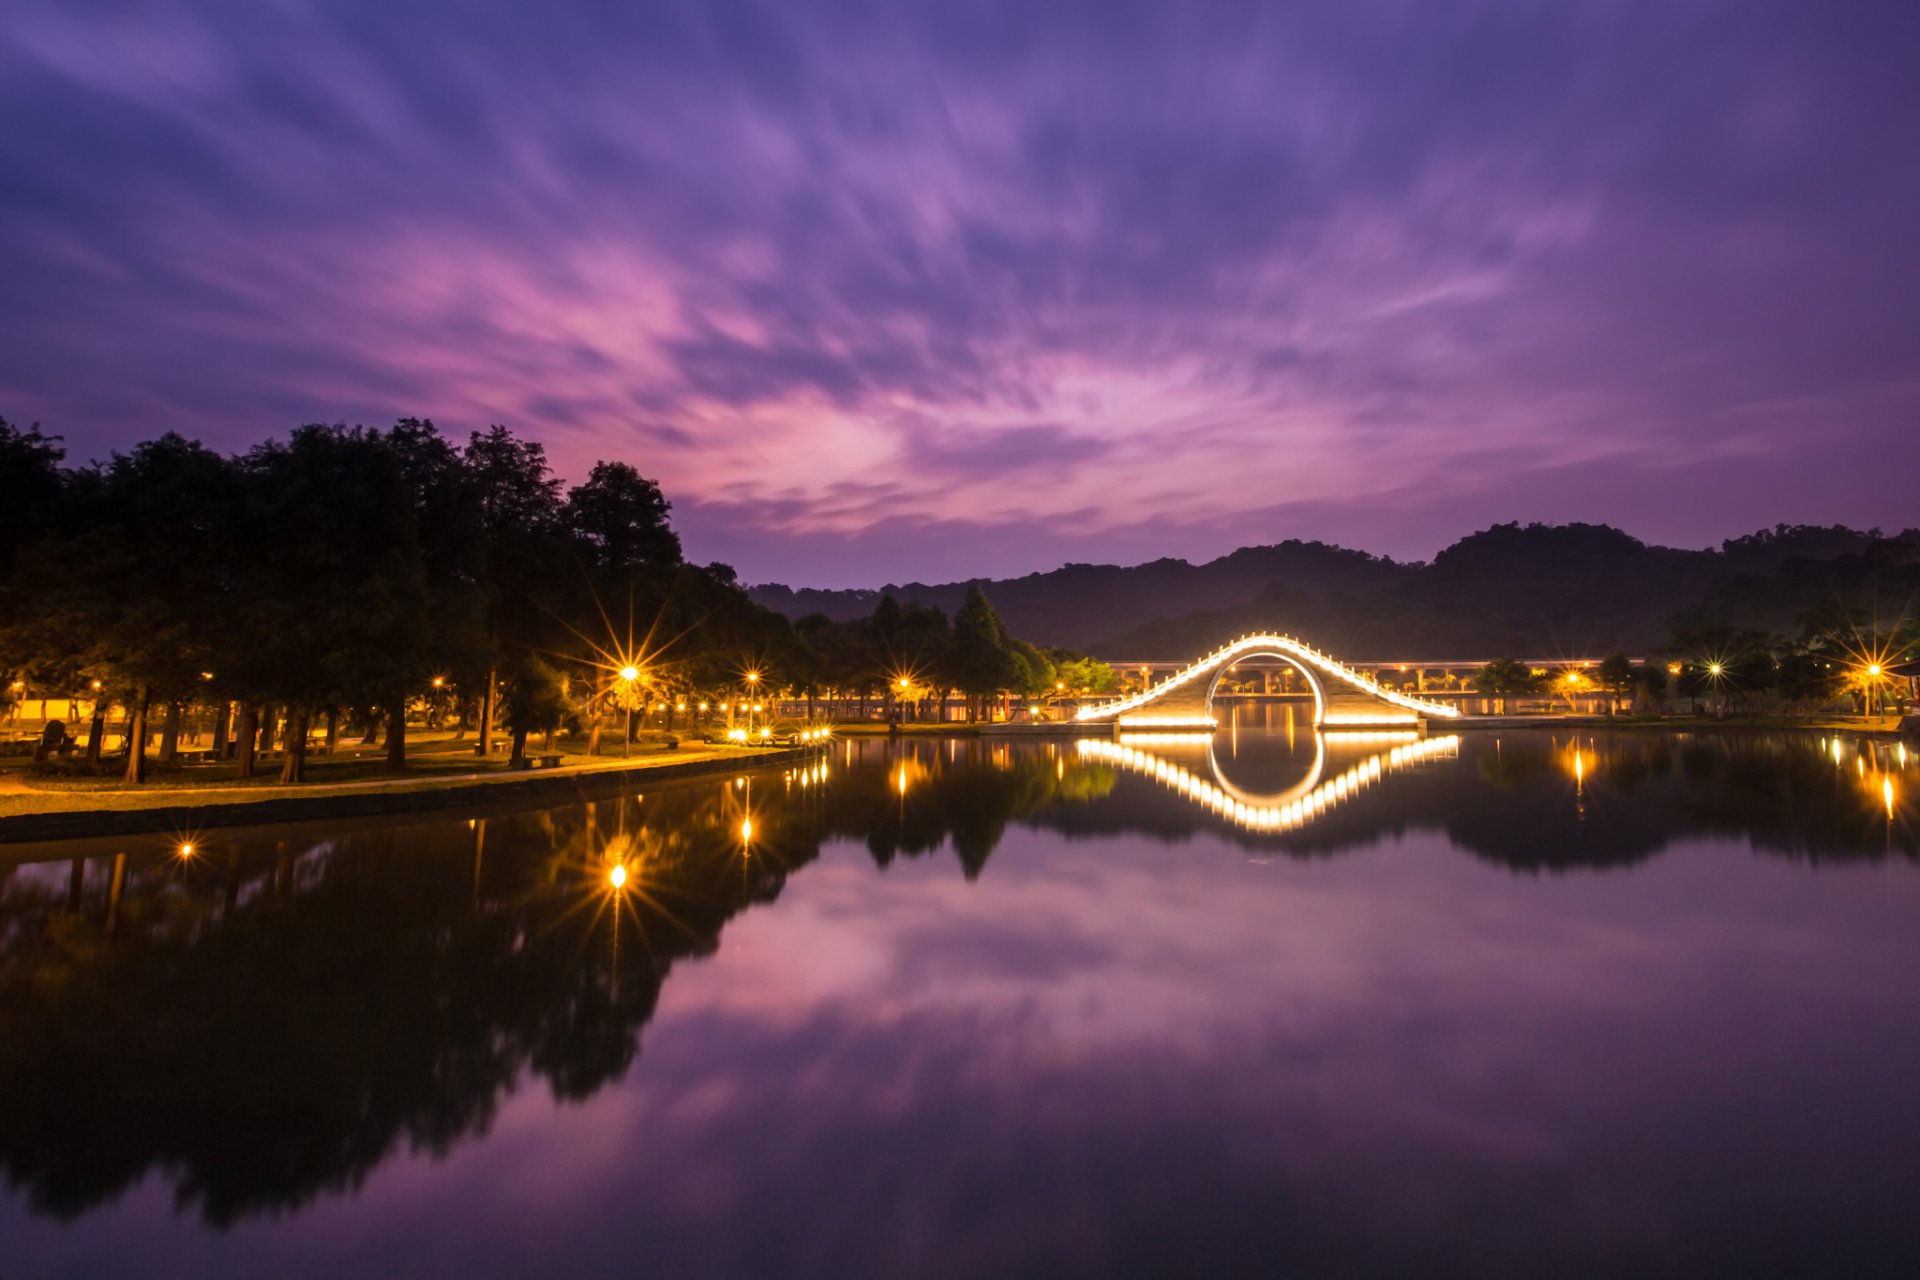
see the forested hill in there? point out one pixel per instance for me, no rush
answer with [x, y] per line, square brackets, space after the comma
[1534, 590]
[1078, 605]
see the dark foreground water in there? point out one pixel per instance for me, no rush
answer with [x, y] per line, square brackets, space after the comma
[1533, 1005]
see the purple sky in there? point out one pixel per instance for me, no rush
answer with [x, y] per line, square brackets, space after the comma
[898, 291]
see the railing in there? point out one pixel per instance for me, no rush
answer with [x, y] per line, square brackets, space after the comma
[1327, 663]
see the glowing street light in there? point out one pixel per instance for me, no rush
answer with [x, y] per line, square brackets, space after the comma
[618, 876]
[628, 674]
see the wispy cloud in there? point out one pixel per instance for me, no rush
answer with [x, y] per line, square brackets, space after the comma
[1062, 273]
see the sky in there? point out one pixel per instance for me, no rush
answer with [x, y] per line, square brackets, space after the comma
[895, 291]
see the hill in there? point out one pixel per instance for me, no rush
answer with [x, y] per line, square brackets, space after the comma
[1535, 590]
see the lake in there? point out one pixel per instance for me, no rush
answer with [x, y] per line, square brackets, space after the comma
[1261, 1003]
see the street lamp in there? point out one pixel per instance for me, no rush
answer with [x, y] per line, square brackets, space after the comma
[629, 674]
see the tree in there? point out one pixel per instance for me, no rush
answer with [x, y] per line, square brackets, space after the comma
[536, 702]
[1505, 677]
[1722, 662]
[1615, 675]
[129, 590]
[619, 519]
[982, 662]
[32, 486]
[336, 607]
[1082, 675]
[520, 509]
[453, 558]
[1650, 679]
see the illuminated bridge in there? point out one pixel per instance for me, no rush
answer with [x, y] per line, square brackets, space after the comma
[1342, 696]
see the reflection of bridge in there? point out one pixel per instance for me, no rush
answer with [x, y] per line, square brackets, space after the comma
[1297, 806]
[1342, 696]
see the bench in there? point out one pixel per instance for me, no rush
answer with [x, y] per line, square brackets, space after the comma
[549, 762]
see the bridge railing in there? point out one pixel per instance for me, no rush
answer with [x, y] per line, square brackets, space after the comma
[1326, 662]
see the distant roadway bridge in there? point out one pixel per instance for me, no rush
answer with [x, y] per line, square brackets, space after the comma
[1343, 695]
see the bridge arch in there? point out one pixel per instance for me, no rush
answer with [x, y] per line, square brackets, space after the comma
[1342, 696]
[1307, 673]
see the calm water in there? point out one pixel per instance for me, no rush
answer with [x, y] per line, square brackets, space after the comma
[1531, 1005]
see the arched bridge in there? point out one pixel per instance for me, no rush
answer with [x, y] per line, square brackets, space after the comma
[1342, 697]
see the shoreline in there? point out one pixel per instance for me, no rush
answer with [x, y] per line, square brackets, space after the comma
[542, 788]
[536, 788]
[1690, 724]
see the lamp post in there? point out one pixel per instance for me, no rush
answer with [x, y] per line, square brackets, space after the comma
[628, 675]
[753, 683]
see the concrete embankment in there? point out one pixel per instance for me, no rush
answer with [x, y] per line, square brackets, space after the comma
[534, 790]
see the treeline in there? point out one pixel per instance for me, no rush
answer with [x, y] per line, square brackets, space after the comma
[1839, 657]
[353, 574]
[910, 655]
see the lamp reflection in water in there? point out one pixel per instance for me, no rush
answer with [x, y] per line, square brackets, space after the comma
[1299, 806]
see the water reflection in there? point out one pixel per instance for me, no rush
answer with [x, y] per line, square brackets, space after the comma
[1303, 802]
[265, 1021]
[1536, 801]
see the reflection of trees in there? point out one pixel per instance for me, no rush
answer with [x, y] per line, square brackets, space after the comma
[273, 1028]
[967, 798]
[270, 1027]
